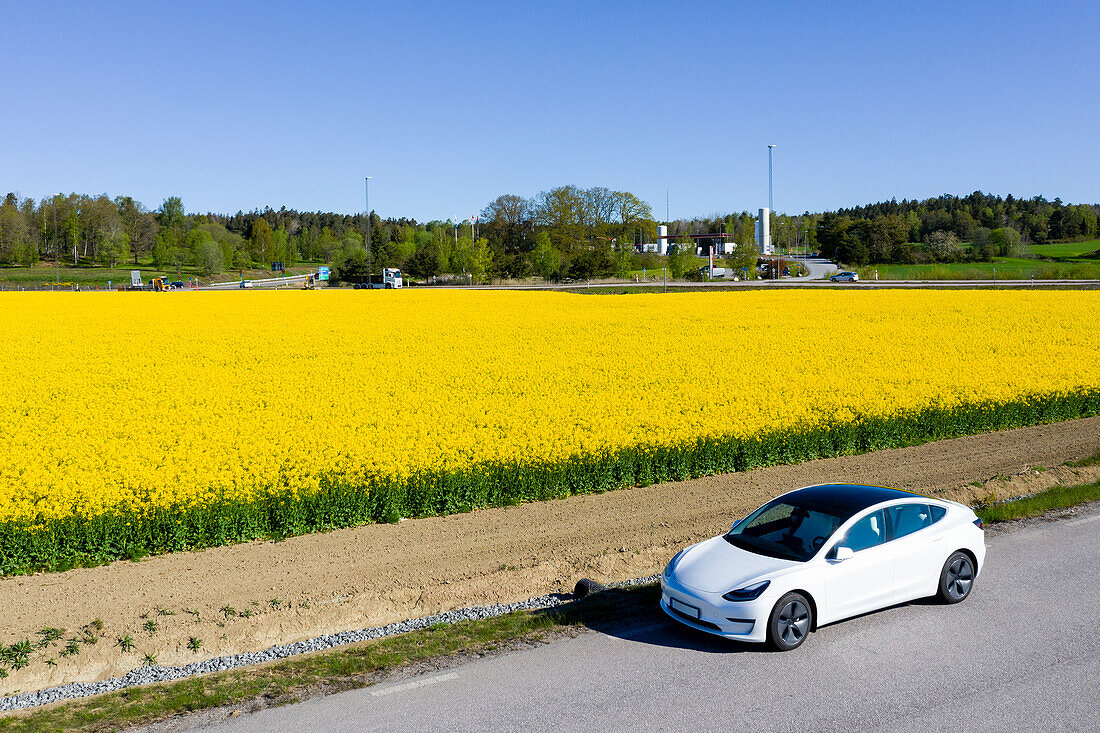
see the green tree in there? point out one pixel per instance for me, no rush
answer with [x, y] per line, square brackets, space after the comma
[545, 258]
[209, 257]
[425, 261]
[742, 260]
[682, 260]
[261, 242]
[113, 249]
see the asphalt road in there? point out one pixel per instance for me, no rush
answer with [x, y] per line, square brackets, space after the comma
[1022, 653]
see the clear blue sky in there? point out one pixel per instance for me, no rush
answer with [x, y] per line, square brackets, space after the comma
[238, 105]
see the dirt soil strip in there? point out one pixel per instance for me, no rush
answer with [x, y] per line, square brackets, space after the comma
[378, 574]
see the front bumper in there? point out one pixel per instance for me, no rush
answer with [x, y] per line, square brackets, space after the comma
[743, 621]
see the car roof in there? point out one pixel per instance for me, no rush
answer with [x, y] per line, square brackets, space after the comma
[848, 498]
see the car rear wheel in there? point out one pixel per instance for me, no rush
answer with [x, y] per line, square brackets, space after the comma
[956, 578]
[790, 621]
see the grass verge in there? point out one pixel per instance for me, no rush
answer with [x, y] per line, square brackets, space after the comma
[1059, 497]
[299, 678]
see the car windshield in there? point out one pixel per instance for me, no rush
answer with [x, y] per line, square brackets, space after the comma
[785, 530]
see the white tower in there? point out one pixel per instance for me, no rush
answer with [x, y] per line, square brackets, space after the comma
[764, 232]
[662, 240]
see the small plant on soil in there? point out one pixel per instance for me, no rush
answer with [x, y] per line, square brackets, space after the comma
[97, 624]
[72, 648]
[276, 604]
[151, 627]
[228, 611]
[165, 611]
[126, 643]
[247, 613]
[149, 660]
[194, 643]
[194, 613]
[51, 662]
[49, 636]
[17, 655]
[304, 604]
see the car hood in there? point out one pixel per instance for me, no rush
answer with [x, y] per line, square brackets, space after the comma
[717, 566]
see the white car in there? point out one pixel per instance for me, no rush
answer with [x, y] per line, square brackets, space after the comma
[821, 554]
[845, 277]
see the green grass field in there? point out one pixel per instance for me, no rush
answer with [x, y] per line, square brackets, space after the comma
[1066, 250]
[46, 276]
[1006, 268]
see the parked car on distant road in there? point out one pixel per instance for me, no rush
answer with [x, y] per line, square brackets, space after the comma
[845, 277]
[822, 554]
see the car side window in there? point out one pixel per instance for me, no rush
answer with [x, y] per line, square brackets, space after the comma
[938, 513]
[867, 532]
[905, 519]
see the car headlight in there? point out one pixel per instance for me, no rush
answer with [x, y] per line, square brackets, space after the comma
[749, 592]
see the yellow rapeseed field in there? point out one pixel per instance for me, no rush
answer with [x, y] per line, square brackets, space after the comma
[119, 403]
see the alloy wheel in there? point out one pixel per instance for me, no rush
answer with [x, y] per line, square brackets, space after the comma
[794, 622]
[960, 576]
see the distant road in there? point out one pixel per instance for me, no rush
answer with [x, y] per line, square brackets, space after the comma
[1022, 653]
[272, 283]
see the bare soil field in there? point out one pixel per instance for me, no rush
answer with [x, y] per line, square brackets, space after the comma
[248, 597]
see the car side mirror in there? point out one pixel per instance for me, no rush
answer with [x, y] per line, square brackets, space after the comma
[840, 554]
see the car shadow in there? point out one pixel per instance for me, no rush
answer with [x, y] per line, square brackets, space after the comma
[636, 616]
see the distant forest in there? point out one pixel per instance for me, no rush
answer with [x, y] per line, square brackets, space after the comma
[564, 232]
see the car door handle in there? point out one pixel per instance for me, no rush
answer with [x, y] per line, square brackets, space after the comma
[936, 539]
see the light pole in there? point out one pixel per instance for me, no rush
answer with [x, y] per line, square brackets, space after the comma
[771, 207]
[366, 191]
[771, 204]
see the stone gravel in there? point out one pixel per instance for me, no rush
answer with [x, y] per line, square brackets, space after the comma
[149, 675]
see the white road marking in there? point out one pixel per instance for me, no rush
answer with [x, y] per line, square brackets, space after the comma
[1093, 518]
[413, 684]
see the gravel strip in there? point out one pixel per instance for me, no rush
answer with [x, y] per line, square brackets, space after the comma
[148, 675]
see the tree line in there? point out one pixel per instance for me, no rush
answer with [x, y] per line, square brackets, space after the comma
[566, 231]
[936, 229]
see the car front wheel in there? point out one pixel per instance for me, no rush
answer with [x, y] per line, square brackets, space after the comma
[956, 578]
[790, 621]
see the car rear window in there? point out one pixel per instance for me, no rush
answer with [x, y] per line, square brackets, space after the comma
[938, 513]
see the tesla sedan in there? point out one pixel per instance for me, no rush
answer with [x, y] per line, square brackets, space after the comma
[822, 554]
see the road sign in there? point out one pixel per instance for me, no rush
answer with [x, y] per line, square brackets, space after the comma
[276, 266]
[135, 278]
[322, 273]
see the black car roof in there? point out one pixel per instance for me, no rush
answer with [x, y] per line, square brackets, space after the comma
[847, 499]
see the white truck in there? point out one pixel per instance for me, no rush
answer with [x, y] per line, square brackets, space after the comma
[714, 273]
[390, 278]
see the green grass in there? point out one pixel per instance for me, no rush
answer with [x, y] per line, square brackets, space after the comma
[45, 276]
[1007, 268]
[1065, 250]
[345, 501]
[1059, 497]
[335, 671]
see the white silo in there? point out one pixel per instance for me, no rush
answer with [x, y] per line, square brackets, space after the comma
[662, 240]
[763, 232]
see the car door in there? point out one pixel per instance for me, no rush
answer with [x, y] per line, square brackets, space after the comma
[917, 552]
[864, 581]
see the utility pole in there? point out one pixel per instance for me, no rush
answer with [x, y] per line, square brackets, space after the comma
[366, 187]
[666, 206]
